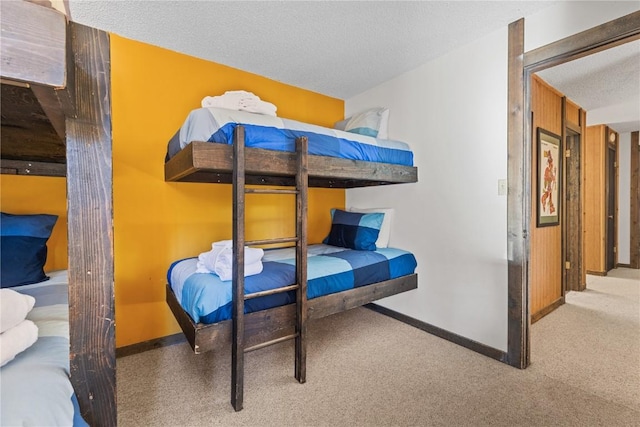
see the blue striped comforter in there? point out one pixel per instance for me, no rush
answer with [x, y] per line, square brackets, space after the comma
[275, 133]
[330, 269]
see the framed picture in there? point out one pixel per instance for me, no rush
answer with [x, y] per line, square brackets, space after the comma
[549, 178]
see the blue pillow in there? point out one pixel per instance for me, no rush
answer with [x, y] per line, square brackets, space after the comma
[354, 230]
[24, 248]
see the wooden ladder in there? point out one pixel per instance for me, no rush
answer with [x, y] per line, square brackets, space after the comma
[239, 296]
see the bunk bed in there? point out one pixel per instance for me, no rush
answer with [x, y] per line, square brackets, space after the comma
[233, 162]
[56, 122]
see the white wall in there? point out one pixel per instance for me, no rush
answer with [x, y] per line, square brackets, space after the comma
[453, 112]
[624, 198]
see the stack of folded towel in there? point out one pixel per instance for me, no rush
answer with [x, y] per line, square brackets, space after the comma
[219, 260]
[240, 100]
[16, 333]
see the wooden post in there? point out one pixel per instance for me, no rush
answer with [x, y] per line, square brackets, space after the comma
[90, 225]
[237, 350]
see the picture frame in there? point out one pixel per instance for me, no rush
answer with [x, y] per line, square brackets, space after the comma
[549, 167]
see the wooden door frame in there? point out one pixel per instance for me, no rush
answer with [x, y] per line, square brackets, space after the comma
[609, 146]
[572, 230]
[521, 66]
[634, 207]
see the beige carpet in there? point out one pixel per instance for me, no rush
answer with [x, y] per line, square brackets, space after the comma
[366, 369]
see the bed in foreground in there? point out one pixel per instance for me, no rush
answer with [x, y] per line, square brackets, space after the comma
[338, 279]
[35, 385]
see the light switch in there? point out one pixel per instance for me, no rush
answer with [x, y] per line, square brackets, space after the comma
[502, 187]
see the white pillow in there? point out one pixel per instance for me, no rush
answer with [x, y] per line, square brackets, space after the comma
[16, 340]
[385, 229]
[14, 308]
[372, 122]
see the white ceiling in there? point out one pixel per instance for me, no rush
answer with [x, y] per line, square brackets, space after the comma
[339, 48]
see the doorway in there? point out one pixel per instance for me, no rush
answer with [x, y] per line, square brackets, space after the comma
[521, 66]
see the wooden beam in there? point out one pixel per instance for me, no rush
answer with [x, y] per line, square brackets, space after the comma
[32, 44]
[518, 211]
[90, 225]
[210, 162]
[20, 167]
[588, 42]
[634, 207]
[277, 322]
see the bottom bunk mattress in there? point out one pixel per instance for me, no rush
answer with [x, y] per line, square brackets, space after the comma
[35, 385]
[330, 269]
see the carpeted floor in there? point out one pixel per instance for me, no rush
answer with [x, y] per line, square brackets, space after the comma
[366, 369]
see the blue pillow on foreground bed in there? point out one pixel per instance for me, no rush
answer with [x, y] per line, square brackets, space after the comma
[353, 230]
[24, 248]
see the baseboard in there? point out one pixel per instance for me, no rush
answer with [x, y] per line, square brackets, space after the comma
[442, 333]
[596, 273]
[548, 309]
[433, 330]
[129, 350]
[623, 265]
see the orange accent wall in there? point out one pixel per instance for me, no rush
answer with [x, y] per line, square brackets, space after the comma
[155, 222]
[21, 194]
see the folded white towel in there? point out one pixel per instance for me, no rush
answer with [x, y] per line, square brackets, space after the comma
[16, 340]
[240, 100]
[14, 308]
[225, 271]
[219, 260]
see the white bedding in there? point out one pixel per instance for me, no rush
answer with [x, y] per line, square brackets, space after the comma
[35, 386]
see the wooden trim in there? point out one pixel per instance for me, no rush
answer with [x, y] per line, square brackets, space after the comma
[207, 162]
[130, 350]
[596, 273]
[441, 333]
[548, 309]
[588, 42]
[90, 228]
[20, 167]
[518, 202]
[619, 265]
[277, 322]
[634, 207]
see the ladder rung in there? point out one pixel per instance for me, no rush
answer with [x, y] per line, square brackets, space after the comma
[271, 241]
[271, 292]
[272, 342]
[269, 191]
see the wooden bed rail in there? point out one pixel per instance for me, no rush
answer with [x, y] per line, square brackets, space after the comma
[279, 321]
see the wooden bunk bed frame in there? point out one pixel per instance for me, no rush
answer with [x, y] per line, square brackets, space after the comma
[221, 163]
[56, 121]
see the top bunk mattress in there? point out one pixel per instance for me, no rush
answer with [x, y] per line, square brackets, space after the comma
[202, 151]
[274, 133]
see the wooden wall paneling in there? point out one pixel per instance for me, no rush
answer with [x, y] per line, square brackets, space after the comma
[594, 184]
[572, 114]
[90, 225]
[634, 250]
[546, 242]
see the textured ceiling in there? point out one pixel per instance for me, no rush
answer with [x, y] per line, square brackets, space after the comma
[338, 48]
[608, 79]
